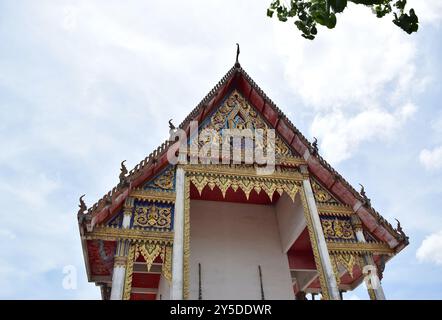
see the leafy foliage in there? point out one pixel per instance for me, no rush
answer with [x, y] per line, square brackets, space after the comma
[307, 13]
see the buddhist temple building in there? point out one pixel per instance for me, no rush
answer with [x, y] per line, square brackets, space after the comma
[197, 229]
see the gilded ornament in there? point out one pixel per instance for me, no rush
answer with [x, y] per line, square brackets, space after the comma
[331, 209]
[358, 247]
[337, 229]
[135, 235]
[152, 216]
[129, 272]
[322, 195]
[165, 181]
[149, 251]
[237, 113]
[154, 196]
[167, 263]
[186, 249]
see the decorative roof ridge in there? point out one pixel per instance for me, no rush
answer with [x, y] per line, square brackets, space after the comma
[209, 96]
[148, 160]
[117, 190]
[152, 157]
[322, 161]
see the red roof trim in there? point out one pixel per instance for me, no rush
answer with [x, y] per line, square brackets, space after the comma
[236, 76]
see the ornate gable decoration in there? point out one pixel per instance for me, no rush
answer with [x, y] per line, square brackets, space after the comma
[116, 221]
[165, 181]
[237, 113]
[153, 216]
[337, 229]
[322, 196]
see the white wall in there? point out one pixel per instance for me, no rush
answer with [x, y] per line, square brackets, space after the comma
[230, 240]
[291, 220]
[163, 289]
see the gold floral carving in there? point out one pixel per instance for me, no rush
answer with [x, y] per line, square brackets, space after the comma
[335, 269]
[358, 247]
[337, 210]
[149, 251]
[321, 194]
[237, 113]
[245, 178]
[246, 185]
[129, 272]
[165, 180]
[152, 195]
[348, 261]
[152, 216]
[166, 256]
[186, 245]
[291, 161]
[244, 171]
[135, 235]
[337, 229]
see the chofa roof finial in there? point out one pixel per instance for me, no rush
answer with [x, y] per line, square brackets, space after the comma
[123, 178]
[367, 201]
[82, 206]
[237, 56]
[315, 146]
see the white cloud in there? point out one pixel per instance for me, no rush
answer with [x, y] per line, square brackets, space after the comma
[95, 84]
[338, 70]
[431, 249]
[341, 134]
[359, 79]
[7, 234]
[431, 159]
[32, 190]
[428, 11]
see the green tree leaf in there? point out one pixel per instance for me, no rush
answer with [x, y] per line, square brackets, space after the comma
[307, 13]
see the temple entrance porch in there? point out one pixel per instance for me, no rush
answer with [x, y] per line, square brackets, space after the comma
[248, 246]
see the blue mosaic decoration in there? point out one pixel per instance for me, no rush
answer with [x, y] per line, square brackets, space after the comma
[154, 216]
[235, 112]
[117, 220]
[164, 181]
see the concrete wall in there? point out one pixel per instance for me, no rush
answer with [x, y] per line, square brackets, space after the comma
[291, 220]
[230, 240]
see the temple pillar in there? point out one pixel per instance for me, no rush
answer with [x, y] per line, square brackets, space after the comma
[377, 292]
[176, 290]
[119, 272]
[324, 256]
[127, 212]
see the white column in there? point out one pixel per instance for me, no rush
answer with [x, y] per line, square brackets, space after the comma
[119, 272]
[118, 278]
[127, 212]
[322, 245]
[176, 292]
[368, 258]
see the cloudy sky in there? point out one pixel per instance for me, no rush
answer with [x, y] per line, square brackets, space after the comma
[86, 84]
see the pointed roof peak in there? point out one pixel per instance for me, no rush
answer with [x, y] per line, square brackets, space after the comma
[237, 77]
